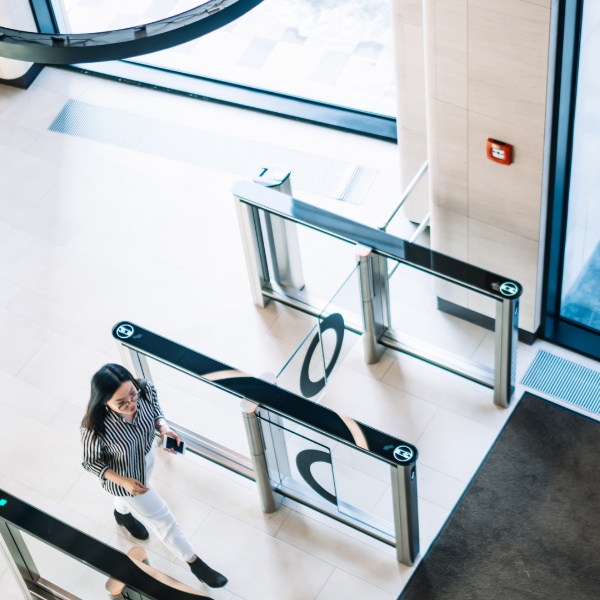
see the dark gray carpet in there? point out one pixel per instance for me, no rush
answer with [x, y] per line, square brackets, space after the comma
[528, 526]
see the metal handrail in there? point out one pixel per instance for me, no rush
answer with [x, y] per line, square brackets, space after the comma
[407, 192]
[421, 228]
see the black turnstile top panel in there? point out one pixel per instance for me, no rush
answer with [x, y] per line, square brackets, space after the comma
[452, 269]
[361, 436]
[84, 548]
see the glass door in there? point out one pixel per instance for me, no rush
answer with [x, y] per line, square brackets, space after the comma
[573, 275]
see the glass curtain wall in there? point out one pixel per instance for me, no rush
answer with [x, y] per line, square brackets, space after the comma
[337, 52]
[573, 307]
[580, 300]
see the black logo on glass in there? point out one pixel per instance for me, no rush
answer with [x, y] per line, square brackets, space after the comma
[125, 331]
[304, 461]
[509, 289]
[308, 387]
[403, 453]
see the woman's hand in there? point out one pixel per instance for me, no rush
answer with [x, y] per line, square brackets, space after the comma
[165, 431]
[133, 486]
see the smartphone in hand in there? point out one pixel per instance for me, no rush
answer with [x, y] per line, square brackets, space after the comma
[171, 444]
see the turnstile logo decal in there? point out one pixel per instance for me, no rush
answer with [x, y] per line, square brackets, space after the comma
[308, 387]
[125, 331]
[403, 453]
[509, 289]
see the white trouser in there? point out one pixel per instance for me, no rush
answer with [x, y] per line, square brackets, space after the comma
[157, 515]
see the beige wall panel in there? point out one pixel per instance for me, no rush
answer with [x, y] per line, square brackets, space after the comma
[449, 234]
[506, 196]
[410, 76]
[408, 11]
[508, 61]
[448, 156]
[411, 112]
[509, 255]
[544, 3]
[429, 28]
[451, 51]
[412, 146]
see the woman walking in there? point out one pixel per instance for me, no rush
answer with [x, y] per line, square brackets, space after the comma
[117, 432]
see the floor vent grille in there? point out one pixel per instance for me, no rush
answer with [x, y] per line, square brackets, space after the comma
[564, 380]
[318, 175]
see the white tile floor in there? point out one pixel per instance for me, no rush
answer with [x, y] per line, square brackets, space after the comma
[92, 234]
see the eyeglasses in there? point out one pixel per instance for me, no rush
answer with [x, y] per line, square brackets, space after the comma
[126, 403]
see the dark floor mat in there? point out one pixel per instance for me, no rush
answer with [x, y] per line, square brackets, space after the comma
[528, 526]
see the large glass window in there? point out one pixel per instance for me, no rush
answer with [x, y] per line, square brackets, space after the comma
[332, 51]
[581, 274]
[573, 273]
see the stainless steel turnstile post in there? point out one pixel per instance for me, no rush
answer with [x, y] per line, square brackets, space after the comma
[374, 294]
[279, 241]
[19, 560]
[282, 235]
[505, 355]
[406, 512]
[257, 454]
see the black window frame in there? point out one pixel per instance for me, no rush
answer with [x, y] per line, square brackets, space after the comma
[364, 123]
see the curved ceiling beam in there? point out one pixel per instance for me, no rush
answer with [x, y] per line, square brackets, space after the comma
[73, 48]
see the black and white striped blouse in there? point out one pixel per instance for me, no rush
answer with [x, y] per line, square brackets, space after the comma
[124, 445]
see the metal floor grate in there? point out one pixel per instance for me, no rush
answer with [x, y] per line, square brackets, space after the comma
[318, 175]
[564, 380]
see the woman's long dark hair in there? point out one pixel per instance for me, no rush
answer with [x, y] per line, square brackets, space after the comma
[105, 382]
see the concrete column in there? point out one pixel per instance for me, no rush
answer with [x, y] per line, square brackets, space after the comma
[410, 90]
[489, 71]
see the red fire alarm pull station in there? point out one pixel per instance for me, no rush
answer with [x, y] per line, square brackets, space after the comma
[499, 151]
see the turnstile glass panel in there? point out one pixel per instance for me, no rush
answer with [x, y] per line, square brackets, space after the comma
[363, 486]
[326, 261]
[306, 364]
[431, 312]
[202, 408]
[65, 572]
[298, 459]
[343, 309]
[329, 474]
[327, 343]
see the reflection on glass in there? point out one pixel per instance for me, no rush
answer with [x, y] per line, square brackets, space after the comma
[423, 309]
[330, 51]
[343, 309]
[65, 572]
[87, 16]
[200, 407]
[580, 300]
[363, 486]
[326, 345]
[329, 474]
[305, 363]
[298, 458]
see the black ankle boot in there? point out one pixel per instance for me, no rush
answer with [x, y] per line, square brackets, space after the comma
[135, 528]
[209, 576]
